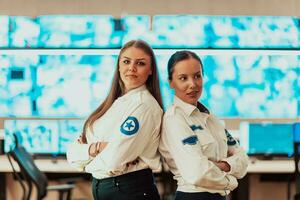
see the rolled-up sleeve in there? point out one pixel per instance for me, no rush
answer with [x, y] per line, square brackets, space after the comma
[78, 155]
[238, 159]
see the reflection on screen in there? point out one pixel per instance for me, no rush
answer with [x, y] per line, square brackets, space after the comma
[42, 136]
[267, 139]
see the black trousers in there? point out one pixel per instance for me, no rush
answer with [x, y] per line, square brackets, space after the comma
[136, 185]
[198, 196]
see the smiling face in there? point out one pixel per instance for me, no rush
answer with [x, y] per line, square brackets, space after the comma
[134, 68]
[187, 80]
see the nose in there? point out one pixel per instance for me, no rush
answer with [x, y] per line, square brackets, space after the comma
[192, 83]
[132, 67]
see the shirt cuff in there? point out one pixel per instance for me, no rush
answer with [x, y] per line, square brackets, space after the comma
[79, 152]
[231, 182]
[230, 161]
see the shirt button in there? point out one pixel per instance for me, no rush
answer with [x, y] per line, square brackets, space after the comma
[117, 184]
[145, 194]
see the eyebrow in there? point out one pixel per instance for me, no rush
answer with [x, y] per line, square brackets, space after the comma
[136, 59]
[199, 72]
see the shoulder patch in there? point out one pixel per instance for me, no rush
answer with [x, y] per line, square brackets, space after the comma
[192, 140]
[230, 140]
[195, 127]
[130, 126]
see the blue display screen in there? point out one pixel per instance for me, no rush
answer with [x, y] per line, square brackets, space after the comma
[256, 86]
[161, 31]
[42, 137]
[4, 31]
[297, 132]
[253, 85]
[186, 31]
[268, 139]
[78, 31]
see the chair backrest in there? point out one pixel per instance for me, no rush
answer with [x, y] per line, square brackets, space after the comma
[30, 170]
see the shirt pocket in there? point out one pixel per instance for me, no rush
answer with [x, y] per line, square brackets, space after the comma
[206, 141]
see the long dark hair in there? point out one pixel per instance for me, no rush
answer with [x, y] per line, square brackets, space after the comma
[180, 56]
[118, 88]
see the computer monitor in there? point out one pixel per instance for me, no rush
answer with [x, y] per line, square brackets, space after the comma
[267, 139]
[42, 137]
[297, 132]
[69, 131]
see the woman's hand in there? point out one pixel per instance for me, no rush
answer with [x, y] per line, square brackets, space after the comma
[96, 147]
[134, 162]
[224, 166]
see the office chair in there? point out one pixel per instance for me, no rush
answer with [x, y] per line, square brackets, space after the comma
[33, 176]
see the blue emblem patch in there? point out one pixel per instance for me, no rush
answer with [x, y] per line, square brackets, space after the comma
[230, 140]
[130, 126]
[195, 127]
[192, 140]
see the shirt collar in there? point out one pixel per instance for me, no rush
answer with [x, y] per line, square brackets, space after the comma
[186, 107]
[189, 108]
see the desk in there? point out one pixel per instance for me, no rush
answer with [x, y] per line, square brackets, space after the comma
[62, 166]
[262, 167]
[59, 165]
[271, 166]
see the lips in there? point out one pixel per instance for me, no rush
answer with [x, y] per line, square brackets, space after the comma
[130, 76]
[193, 94]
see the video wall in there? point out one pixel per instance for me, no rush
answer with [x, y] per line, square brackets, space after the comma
[61, 66]
[255, 84]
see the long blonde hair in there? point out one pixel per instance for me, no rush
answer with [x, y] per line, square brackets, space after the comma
[118, 88]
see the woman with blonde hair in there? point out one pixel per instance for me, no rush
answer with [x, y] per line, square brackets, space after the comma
[120, 138]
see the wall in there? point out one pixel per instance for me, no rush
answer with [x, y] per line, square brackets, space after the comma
[150, 7]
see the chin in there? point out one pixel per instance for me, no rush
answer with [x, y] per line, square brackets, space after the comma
[193, 101]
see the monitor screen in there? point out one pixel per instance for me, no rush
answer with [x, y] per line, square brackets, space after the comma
[192, 31]
[267, 139]
[241, 86]
[17, 85]
[68, 132]
[85, 31]
[24, 32]
[297, 132]
[4, 20]
[72, 86]
[42, 137]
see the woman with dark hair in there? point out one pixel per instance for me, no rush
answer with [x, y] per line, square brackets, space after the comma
[119, 144]
[204, 158]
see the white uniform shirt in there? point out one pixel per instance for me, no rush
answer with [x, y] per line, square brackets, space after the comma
[190, 141]
[132, 129]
